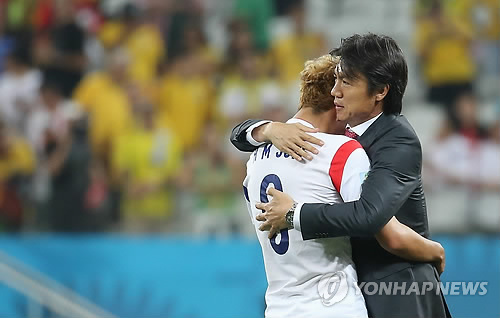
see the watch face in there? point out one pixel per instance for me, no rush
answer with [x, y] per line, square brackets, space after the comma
[289, 218]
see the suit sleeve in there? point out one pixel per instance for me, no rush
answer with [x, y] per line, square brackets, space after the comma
[394, 175]
[239, 135]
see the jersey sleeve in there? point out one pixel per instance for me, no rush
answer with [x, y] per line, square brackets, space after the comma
[348, 170]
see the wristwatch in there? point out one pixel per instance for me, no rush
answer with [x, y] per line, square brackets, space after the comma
[289, 216]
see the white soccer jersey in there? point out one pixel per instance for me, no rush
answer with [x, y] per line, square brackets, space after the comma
[294, 267]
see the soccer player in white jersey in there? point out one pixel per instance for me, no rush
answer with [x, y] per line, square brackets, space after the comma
[297, 271]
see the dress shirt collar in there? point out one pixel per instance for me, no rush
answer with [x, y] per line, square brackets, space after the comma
[361, 128]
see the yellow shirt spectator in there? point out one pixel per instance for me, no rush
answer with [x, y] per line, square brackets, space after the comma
[146, 48]
[92, 85]
[109, 110]
[144, 44]
[148, 160]
[184, 105]
[445, 52]
[241, 98]
[18, 159]
[110, 34]
[482, 16]
[290, 54]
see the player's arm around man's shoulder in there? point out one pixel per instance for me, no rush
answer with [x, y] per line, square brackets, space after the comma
[291, 138]
[239, 134]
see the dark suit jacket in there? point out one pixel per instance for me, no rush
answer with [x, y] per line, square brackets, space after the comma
[392, 188]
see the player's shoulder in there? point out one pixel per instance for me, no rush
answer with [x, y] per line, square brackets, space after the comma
[340, 148]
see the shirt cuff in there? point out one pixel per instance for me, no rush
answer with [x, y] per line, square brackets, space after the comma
[296, 217]
[250, 130]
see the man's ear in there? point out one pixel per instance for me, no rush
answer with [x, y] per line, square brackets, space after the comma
[382, 93]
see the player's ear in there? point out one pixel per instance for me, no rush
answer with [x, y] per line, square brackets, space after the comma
[380, 95]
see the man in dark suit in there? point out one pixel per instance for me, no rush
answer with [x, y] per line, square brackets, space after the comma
[371, 80]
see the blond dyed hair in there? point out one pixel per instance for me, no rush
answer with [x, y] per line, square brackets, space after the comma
[316, 82]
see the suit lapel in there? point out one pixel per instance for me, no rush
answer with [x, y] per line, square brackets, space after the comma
[383, 124]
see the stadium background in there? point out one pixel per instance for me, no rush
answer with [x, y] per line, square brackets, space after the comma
[117, 179]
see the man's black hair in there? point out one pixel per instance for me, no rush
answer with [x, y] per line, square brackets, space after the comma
[379, 59]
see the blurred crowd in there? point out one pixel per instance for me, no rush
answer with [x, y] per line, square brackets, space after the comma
[458, 50]
[115, 114]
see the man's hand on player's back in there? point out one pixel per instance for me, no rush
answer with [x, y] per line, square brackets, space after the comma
[274, 212]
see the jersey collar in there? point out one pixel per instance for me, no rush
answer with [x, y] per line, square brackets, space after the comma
[301, 121]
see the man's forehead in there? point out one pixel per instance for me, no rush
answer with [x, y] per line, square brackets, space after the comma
[340, 72]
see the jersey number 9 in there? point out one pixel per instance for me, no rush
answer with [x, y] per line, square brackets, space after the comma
[282, 247]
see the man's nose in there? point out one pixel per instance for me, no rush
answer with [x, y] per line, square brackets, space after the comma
[335, 92]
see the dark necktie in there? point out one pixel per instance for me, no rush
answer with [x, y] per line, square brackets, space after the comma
[351, 134]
